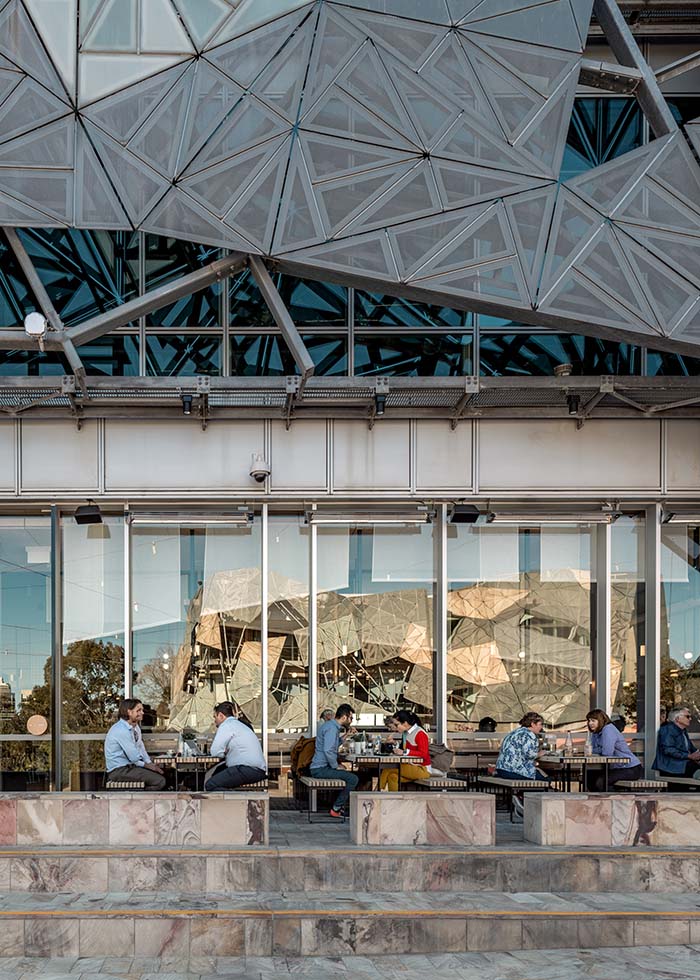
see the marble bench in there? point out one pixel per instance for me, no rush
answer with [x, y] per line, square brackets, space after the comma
[612, 819]
[422, 818]
[109, 819]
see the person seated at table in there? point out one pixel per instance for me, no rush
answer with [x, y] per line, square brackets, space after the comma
[126, 758]
[325, 765]
[675, 753]
[326, 715]
[487, 724]
[520, 750]
[417, 745]
[244, 761]
[607, 740]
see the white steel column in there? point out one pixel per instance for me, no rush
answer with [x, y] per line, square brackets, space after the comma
[128, 646]
[312, 651]
[652, 613]
[440, 619]
[263, 629]
[601, 673]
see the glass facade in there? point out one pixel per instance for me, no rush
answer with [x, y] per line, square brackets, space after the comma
[680, 617]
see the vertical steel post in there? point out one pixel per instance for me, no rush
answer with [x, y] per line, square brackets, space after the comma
[313, 618]
[56, 775]
[601, 672]
[263, 627]
[128, 605]
[652, 606]
[440, 624]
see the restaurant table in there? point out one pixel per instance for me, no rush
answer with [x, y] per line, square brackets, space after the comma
[382, 759]
[582, 762]
[198, 764]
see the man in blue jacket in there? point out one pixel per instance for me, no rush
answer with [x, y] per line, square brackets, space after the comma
[675, 753]
[325, 764]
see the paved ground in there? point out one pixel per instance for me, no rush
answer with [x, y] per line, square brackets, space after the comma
[643, 963]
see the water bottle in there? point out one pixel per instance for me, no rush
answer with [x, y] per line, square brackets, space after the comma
[568, 744]
[589, 745]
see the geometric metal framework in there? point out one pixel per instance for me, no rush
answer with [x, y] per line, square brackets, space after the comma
[412, 143]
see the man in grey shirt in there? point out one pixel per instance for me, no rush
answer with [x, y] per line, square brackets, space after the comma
[325, 765]
[244, 759]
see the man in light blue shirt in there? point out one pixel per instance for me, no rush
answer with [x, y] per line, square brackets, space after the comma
[324, 764]
[244, 760]
[125, 754]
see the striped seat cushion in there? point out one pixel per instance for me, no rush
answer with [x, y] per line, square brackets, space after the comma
[642, 783]
[124, 784]
[514, 783]
[441, 782]
[312, 783]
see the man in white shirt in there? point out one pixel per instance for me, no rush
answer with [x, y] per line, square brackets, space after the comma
[125, 754]
[239, 745]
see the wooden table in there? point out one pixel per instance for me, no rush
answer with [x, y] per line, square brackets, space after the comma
[383, 759]
[582, 762]
[199, 764]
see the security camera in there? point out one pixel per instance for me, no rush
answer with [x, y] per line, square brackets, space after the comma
[259, 468]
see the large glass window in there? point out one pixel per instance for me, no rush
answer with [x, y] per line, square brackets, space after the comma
[167, 259]
[600, 130]
[435, 355]
[539, 353]
[268, 354]
[25, 653]
[520, 614]
[627, 636]
[375, 645]
[680, 618]
[196, 622]
[173, 355]
[377, 310]
[288, 624]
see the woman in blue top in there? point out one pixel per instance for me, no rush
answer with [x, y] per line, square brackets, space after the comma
[608, 741]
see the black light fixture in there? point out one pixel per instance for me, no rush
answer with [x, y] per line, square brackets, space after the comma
[88, 513]
[187, 404]
[379, 403]
[573, 401]
[464, 514]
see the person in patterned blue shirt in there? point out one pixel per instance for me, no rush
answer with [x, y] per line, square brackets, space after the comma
[520, 749]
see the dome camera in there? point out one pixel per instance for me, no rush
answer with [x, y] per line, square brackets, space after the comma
[259, 468]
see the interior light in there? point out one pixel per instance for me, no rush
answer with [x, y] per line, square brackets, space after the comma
[688, 655]
[379, 404]
[187, 404]
[573, 402]
[88, 513]
[464, 514]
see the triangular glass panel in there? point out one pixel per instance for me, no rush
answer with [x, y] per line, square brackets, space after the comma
[582, 10]
[460, 8]
[214, 95]
[413, 196]
[578, 297]
[250, 123]
[463, 184]
[688, 329]
[158, 140]
[514, 103]
[88, 11]
[491, 8]
[336, 42]
[409, 41]
[338, 114]
[114, 29]
[50, 191]
[48, 146]
[367, 254]
[16, 213]
[367, 80]
[431, 112]
[162, 30]
[342, 200]
[55, 20]
[678, 172]
[484, 240]
[448, 70]
[530, 217]
[120, 115]
[574, 224]
[415, 242]
[251, 215]
[607, 185]
[219, 187]
[681, 252]
[96, 204]
[182, 217]
[299, 223]
[328, 157]
[694, 136]
[137, 185]
[9, 80]
[432, 11]
[102, 74]
[540, 68]
[468, 142]
[28, 107]
[495, 281]
[245, 57]
[551, 24]
[20, 43]
[281, 83]
[253, 13]
[544, 139]
[604, 263]
[203, 17]
[651, 205]
[669, 296]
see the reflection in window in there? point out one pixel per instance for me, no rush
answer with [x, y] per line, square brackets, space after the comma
[16, 298]
[600, 130]
[375, 620]
[183, 354]
[627, 638]
[432, 355]
[288, 624]
[374, 309]
[539, 354]
[25, 649]
[309, 303]
[666, 362]
[684, 107]
[680, 618]
[268, 354]
[196, 623]
[167, 259]
[116, 355]
[33, 364]
[520, 608]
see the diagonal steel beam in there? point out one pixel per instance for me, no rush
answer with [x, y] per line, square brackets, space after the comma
[99, 325]
[47, 307]
[281, 316]
[679, 67]
[611, 77]
[627, 52]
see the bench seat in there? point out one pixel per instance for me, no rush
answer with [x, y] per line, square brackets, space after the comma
[536, 784]
[441, 782]
[312, 783]
[124, 784]
[641, 784]
[681, 781]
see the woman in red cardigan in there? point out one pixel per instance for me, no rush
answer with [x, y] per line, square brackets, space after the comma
[417, 745]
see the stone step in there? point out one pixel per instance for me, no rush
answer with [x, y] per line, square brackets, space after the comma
[347, 869]
[318, 924]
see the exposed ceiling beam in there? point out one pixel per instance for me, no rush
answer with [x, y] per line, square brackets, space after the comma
[281, 316]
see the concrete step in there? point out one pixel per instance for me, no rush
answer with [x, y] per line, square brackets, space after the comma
[319, 924]
[347, 869]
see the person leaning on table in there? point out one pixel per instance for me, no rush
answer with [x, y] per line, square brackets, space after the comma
[126, 758]
[675, 753]
[520, 750]
[607, 740]
[244, 760]
[417, 744]
[325, 765]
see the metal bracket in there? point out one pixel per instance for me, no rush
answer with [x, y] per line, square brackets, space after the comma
[293, 389]
[610, 77]
[471, 388]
